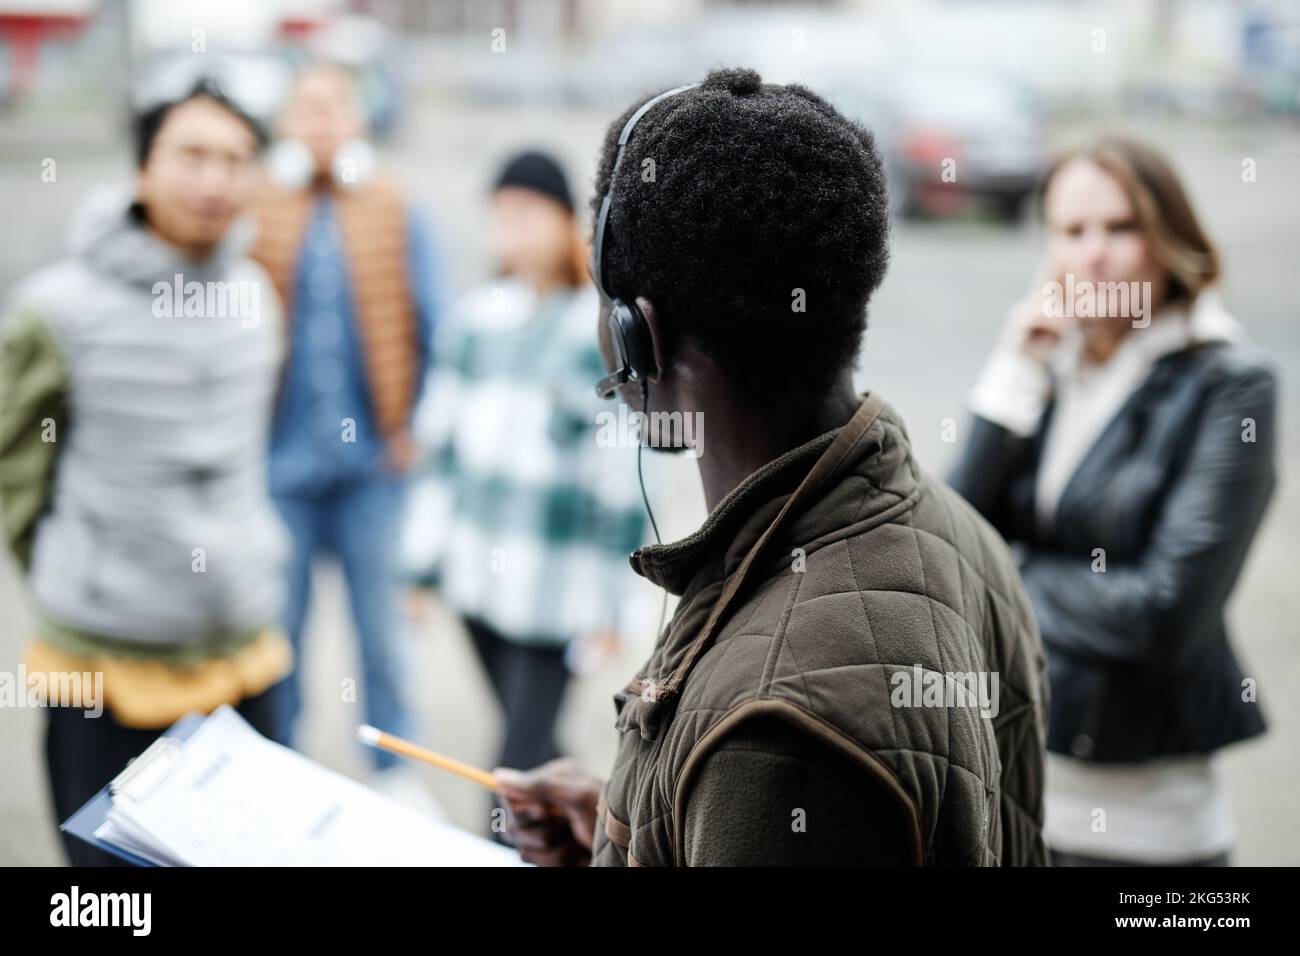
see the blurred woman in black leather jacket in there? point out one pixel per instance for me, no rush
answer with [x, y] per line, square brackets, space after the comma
[1123, 440]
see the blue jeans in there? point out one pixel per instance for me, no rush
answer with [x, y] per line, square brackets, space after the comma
[357, 522]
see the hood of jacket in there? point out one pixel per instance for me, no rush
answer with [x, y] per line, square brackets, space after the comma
[110, 237]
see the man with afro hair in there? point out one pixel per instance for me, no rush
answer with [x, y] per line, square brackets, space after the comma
[852, 674]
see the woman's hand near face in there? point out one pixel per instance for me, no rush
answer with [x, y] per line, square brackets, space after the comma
[1030, 328]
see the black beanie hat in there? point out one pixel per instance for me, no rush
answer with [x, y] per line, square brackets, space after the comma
[538, 172]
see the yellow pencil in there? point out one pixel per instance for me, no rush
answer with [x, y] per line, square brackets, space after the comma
[374, 737]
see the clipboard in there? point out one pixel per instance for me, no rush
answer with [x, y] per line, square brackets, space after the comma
[94, 812]
[212, 791]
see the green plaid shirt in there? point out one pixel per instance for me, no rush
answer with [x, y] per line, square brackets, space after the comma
[519, 514]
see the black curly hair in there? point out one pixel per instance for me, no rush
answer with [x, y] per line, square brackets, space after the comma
[758, 190]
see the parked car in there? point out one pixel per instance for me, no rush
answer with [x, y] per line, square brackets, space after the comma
[985, 133]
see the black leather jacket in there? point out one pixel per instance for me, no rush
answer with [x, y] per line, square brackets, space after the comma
[1138, 657]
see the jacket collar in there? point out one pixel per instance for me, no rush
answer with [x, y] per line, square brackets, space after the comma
[849, 478]
[882, 459]
[1174, 329]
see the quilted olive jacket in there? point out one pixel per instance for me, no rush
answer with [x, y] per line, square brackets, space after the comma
[871, 620]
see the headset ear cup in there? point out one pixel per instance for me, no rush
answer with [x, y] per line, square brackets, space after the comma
[638, 343]
[617, 340]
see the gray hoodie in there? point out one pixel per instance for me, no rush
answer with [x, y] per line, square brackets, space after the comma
[160, 528]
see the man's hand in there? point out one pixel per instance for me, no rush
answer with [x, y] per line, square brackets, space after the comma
[400, 451]
[417, 604]
[552, 811]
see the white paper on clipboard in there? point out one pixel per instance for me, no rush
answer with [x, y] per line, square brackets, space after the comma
[229, 797]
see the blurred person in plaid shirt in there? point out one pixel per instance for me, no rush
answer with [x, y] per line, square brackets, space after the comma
[523, 511]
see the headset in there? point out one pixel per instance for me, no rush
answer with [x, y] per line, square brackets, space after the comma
[629, 334]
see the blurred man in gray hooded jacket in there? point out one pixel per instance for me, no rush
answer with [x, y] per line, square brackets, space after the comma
[136, 381]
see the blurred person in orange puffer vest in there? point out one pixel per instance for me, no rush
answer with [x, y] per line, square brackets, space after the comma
[356, 270]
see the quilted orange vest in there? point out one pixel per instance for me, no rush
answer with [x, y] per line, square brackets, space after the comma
[372, 220]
